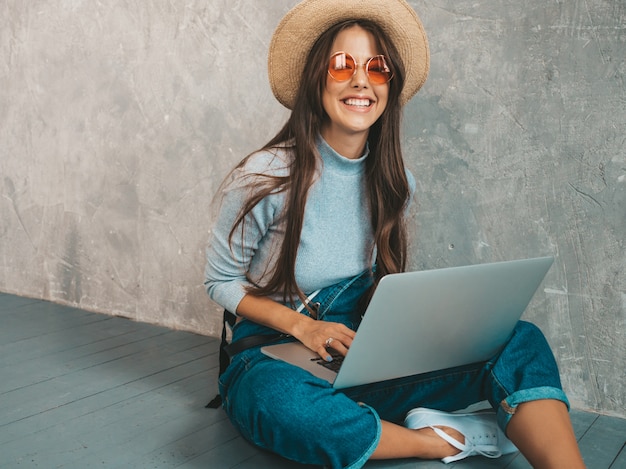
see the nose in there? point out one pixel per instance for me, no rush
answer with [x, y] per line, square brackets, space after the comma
[360, 78]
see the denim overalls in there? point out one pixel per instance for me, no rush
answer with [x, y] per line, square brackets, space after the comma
[286, 410]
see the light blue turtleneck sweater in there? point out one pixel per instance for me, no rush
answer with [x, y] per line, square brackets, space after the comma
[336, 242]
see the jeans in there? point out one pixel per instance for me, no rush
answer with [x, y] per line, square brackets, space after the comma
[286, 410]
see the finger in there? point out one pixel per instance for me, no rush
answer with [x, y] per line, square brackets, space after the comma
[342, 341]
[339, 347]
[347, 332]
[324, 353]
[347, 341]
[333, 346]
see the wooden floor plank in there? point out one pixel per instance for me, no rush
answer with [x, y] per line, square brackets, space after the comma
[228, 455]
[582, 422]
[10, 303]
[88, 335]
[601, 444]
[108, 373]
[99, 428]
[41, 319]
[518, 462]
[188, 447]
[416, 464]
[101, 386]
[78, 389]
[70, 358]
[138, 437]
[620, 460]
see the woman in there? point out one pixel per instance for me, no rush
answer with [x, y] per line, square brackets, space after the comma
[308, 225]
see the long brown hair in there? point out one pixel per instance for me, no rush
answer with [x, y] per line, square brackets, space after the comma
[386, 182]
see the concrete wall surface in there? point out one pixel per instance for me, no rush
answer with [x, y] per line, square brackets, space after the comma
[118, 119]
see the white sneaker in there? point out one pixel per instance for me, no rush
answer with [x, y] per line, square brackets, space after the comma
[481, 431]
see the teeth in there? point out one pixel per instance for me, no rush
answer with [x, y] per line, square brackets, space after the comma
[357, 102]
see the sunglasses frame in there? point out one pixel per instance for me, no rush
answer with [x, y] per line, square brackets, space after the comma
[365, 66]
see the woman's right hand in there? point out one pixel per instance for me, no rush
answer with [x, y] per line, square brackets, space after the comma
[319, 336]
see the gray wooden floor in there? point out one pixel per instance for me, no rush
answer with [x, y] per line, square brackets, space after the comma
[79, 390]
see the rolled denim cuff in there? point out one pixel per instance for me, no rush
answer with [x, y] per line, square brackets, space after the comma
[508, 406]
[362, 460]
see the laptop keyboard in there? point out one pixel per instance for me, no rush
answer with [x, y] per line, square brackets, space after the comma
[334, 365]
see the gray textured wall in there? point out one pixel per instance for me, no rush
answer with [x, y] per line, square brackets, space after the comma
[118, 120]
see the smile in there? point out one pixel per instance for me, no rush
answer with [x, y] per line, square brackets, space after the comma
[358, 102]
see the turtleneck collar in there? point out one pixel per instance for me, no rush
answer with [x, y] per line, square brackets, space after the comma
[336, 162]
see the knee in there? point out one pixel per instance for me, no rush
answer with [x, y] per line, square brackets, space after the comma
[275, 404]
[276, 393]
[532, 344]
[529, 332]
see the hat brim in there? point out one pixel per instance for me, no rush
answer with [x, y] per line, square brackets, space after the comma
[304, 24]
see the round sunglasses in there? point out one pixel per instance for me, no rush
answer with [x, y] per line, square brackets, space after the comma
[342, 66]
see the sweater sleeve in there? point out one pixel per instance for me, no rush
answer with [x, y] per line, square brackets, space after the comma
[229, 260]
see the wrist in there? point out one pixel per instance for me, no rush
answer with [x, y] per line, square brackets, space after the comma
[299, 325]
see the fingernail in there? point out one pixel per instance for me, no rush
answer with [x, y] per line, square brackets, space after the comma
[329, 358]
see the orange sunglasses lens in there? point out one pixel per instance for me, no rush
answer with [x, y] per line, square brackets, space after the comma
[342, 67]
[377, 70]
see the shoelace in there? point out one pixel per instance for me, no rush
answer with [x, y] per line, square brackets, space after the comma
[468, 449]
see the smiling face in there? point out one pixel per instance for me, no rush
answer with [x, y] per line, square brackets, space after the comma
[354, 105]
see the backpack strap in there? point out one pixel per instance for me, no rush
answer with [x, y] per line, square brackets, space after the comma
[228, 351]
[228, 320]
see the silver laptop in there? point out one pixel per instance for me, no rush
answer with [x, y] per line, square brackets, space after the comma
[430, 320]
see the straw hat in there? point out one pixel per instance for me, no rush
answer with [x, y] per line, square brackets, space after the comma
[304, 24]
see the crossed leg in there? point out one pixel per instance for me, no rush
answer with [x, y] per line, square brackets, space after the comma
[541, 430]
